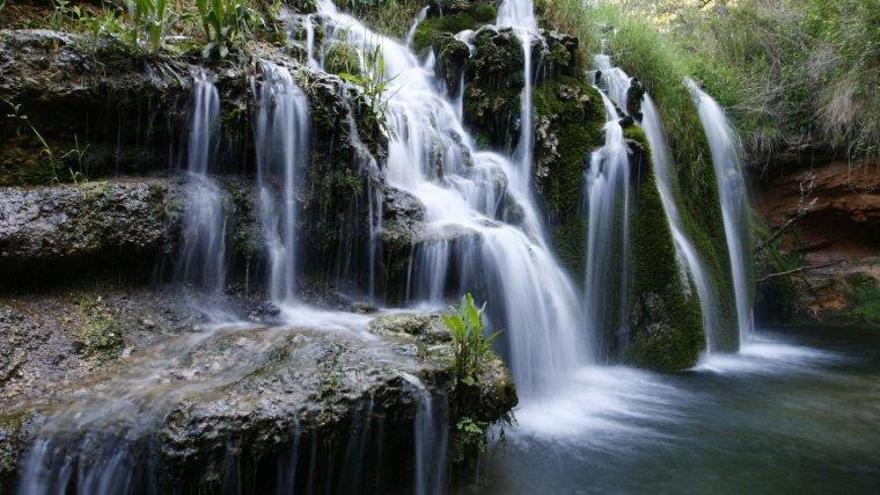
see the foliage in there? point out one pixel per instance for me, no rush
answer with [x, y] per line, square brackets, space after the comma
[471, 346]
[55, 162]
[792, 72]
[227, 23]
[373, 82]
[389, 17]
[150, 19]
[469, 438]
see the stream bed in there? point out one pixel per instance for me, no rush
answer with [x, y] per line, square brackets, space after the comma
[796, 411]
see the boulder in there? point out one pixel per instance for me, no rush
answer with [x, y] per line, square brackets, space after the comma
[108, 222]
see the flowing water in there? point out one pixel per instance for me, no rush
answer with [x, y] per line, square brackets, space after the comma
[282, 142]
[467, 196]
[607, 198]
[793, 412]
[732, 192]
[203, 256]
[616, 83]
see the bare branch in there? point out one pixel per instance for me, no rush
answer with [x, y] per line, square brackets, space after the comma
[793, 271]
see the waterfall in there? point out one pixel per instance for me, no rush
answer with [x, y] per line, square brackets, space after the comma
[520, 15]
[431, 440]
[203, 246]
[282, 143]
[616, 83]
[432, 157]
[411, 33]
[732, 193]
[607, 206]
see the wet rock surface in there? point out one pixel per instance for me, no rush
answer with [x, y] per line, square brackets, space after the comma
[192, 396]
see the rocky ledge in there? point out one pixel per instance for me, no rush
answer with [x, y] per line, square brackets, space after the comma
[122, 385]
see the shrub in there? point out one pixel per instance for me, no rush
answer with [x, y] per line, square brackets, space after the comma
[465, 323]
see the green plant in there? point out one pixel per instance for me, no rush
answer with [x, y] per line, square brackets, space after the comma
[373, 83]
[471, 346]
[226, 23]
[107, 23]
[150, 18]
[469, 440]
[61, 9]
[78, 153]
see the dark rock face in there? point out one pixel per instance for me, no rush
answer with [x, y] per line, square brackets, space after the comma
[494, 82]
[452, 56]
[84, 95]
[122, 221]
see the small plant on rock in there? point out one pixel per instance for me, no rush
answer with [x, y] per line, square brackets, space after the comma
[226, 24]
[472, 347]
[150, 18]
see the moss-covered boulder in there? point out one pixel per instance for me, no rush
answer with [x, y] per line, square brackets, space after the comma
[452, 55]
[261, 406]
[666, 331]
[569, 116]
[452, 17]
[494, 82]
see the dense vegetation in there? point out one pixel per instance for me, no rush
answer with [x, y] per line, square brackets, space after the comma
[793, 73]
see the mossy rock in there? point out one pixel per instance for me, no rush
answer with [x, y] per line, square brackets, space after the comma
[452, 55]
[666, 331]
[494, 82]
[99, 337]
[452, 21]
[569, 117]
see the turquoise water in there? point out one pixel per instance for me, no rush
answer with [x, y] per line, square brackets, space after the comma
[794, 412]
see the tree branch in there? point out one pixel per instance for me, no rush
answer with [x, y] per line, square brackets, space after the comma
[799, 269]
[787, 225]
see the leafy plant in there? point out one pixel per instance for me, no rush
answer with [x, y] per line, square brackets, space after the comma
[465, 324]
[373, 83]
[226, 24]
[469, 440]
[107, 23]
[150, 18]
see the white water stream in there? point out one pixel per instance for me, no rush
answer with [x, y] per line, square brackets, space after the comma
[732, 192]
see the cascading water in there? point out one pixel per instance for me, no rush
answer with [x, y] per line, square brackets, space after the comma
[520, 15]
[204, 219]
[433, 158]
[431, 438]
[282, 139]
[615, 82]
[607, 206]
[732, 193]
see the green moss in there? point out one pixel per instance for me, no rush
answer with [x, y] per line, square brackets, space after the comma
[863, 295]
[495, 81]
[99, 336]
[569, 120]
[476, 15]
[666, 327]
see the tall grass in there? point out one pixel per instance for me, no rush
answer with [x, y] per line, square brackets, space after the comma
[808, 70]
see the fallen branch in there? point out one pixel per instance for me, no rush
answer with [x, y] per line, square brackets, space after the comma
[787, 225]
[799, 269]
